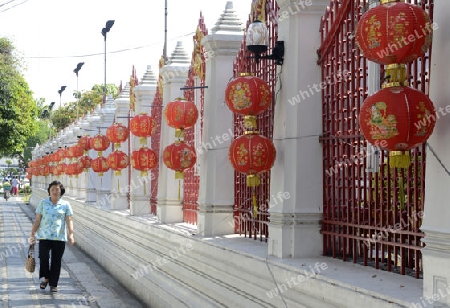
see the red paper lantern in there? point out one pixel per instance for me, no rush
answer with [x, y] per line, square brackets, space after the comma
[143, 126]
[84, 143]
[44, 159]
[78, 168]
[117, 133]
[40, 161]
[60, 168]
[53, 170]
[70, 169]
[117, 161]
[46, 170]
[99, 143]
[181, 114]
[252, 154]
[85, 162]
[397, 119]
[77, 151]
[394, 32]
[179, 156]
[100, 165]
[144, 159]
[248, 95]
[59, 154]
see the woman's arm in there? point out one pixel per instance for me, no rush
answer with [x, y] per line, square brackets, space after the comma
[69, 224]
[34, 228]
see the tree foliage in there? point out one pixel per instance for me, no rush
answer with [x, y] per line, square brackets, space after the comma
[85, 102]
[17, 107]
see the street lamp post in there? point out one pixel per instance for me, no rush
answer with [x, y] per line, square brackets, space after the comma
[76, 70]
[60, 91]
[105, 30]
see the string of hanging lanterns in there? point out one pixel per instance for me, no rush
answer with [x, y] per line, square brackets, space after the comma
[180, 156]
[250, 153]
[393, 34]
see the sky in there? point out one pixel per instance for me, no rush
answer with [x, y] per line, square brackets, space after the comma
[53, 36]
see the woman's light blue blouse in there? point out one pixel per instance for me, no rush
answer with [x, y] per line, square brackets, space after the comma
[53, 222]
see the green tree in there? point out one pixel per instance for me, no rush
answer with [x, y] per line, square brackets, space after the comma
[41, 136]
[64, 116]
[17, 107]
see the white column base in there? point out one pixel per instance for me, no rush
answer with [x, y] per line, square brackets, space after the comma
[82, 180]
[70, 188]
[119, 202]
[215, 220]
[139, 205]
[91, 195]
[169, 212]
[295, 235]
[436, 269]
[103, 198]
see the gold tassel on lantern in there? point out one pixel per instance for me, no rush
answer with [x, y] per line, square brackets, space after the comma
[255, 204]
[143, 141]
[179, 133]
[399, 159]
[250, 123]
[179, 175]
[253, 181]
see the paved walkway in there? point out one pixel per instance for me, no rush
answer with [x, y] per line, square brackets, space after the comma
[82, 284]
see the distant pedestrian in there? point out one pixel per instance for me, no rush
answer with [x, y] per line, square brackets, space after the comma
[53, 222]
[6, 189]
[15, 186]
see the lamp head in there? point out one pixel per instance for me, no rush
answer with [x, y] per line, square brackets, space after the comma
[78, 68]
[62, 89]
[257, 38]
[257, 42]
[107, 27]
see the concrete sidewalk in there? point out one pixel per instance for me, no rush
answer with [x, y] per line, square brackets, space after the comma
[82, 284]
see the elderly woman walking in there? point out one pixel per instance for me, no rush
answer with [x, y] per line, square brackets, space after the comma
[53, 222]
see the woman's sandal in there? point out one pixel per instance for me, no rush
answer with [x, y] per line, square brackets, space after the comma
[43, 284]
[54, 289]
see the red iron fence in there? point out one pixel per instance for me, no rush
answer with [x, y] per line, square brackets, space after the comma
[195, 92]
[245, 223]
[369, 218]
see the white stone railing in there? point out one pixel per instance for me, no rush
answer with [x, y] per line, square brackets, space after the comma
[167, 266]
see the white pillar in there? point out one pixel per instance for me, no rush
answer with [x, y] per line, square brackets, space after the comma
[436, 254]
[92, 177]
[295, 205]
[65, 178]
[119, 183]
[140, 185]
[82, 178]
[216, 195]
[174, 74]
[73, 179]
[104, 183]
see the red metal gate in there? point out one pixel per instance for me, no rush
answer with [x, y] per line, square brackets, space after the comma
[194, 92]
[245, 223]
[369, 218]
[157, 107]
